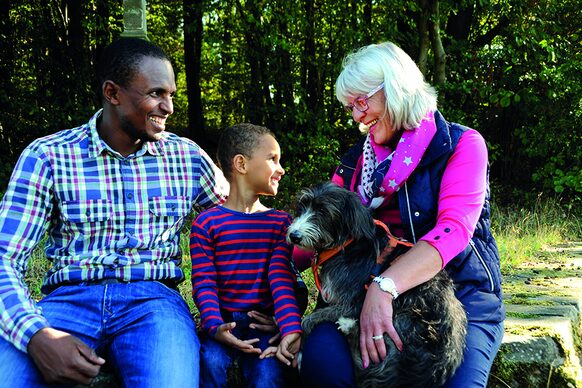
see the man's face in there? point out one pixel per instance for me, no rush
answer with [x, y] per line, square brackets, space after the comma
[146, 102]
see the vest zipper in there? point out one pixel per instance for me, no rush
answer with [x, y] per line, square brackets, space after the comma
[484, 264]
[409, 213]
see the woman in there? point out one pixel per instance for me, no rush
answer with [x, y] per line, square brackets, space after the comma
[428, 179]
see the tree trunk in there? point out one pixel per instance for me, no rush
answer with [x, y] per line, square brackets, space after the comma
[440, 57]
[193, 10]
[311, 76]
[368, 21]
[258, 93]
[76, 51]
[6, 89]
[283, 79]
[423, 39]
[225, 81]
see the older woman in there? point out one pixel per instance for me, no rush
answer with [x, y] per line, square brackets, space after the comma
[428, 179]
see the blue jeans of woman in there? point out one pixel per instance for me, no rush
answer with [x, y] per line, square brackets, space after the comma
[216, 358]
[143, 330]
[327, 362]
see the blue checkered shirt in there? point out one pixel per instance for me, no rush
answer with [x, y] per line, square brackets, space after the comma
[107, 216]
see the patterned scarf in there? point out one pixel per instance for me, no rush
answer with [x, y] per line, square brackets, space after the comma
[384, 171]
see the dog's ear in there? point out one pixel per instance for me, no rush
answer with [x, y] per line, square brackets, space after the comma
[358, 218]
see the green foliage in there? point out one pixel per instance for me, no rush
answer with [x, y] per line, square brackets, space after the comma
[522, 90]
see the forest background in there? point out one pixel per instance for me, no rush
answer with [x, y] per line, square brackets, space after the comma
[511, 69]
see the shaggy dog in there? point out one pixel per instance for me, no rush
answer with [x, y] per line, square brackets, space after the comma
[429, 319]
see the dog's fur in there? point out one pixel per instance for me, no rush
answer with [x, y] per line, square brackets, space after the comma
[428, 318]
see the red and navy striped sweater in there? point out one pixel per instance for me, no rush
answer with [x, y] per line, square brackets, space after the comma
[241, 262]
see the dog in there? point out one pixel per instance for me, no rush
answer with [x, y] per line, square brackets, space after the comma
[429, 319]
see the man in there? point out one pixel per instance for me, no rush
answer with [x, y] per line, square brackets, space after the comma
[112, 195]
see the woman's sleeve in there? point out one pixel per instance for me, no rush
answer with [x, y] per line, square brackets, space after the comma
[461, 196]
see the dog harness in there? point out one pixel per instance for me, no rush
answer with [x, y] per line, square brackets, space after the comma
[321, 257]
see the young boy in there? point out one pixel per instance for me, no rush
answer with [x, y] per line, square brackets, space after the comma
[241, 263]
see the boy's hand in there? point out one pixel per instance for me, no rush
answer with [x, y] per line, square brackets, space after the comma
[287, 349]
[225, 337]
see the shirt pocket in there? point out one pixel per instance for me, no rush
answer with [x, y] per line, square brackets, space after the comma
[169, 213]
[90, 210]
[170, 206]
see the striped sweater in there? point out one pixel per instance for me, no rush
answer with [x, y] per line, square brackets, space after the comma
[241, 262]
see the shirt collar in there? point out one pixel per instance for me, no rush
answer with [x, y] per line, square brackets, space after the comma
[97, 145]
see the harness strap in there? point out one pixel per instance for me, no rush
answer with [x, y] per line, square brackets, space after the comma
[319, 258]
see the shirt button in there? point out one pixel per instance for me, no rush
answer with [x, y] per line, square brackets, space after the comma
[447, 230]
[341, 170]
[88, 213]
[416, 214]
[130, 195]
[437, 237]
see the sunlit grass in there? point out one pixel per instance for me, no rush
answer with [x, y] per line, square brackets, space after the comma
[521, 233]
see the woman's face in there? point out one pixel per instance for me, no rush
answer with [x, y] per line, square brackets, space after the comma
[375, 118]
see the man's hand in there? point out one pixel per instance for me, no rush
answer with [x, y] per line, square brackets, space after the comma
[63, 358]
[225, 337]
[265, 323]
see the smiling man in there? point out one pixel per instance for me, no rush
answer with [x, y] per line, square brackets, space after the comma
[112, 196]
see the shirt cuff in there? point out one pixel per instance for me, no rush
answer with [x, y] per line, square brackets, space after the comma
[448, 240]
[28, 330]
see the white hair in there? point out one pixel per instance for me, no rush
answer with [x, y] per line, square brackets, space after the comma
[408, 96]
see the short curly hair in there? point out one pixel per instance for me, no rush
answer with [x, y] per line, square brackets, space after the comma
[120, 61]
[238, 139]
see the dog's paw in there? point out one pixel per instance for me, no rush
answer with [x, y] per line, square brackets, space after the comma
[345, 325]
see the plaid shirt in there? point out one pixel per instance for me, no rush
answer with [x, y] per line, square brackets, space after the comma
[107, 216]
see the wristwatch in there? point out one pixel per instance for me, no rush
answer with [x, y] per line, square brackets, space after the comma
[387, 285]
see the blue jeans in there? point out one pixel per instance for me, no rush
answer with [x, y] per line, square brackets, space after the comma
[216, 358]
[327, 362]
[143, 330]
[483, 342]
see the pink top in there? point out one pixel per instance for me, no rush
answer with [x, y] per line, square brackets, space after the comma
[461, 196]
[460, 199]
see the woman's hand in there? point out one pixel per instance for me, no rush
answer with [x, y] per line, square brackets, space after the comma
[225, 337]
[375, 320]
[419, 264]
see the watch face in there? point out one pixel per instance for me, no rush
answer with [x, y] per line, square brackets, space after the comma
[385, 285]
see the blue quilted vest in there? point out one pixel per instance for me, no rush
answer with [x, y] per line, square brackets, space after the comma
[475, 271]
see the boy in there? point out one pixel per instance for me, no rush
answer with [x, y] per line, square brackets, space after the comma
[242, 263]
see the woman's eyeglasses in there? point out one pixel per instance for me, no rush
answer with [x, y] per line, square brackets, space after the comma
[361, 103]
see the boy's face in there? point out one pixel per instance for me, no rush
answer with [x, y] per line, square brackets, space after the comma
[264, 168]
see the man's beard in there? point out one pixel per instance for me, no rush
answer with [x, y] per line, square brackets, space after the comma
[128, 128]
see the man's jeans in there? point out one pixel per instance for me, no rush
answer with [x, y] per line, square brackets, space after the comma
[216, 358]
[143, 330]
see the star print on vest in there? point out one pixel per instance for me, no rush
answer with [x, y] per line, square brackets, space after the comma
[381, 179]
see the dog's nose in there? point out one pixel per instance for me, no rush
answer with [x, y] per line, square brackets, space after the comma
[295, 237]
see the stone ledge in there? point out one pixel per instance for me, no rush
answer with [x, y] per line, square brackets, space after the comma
[542, 346]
